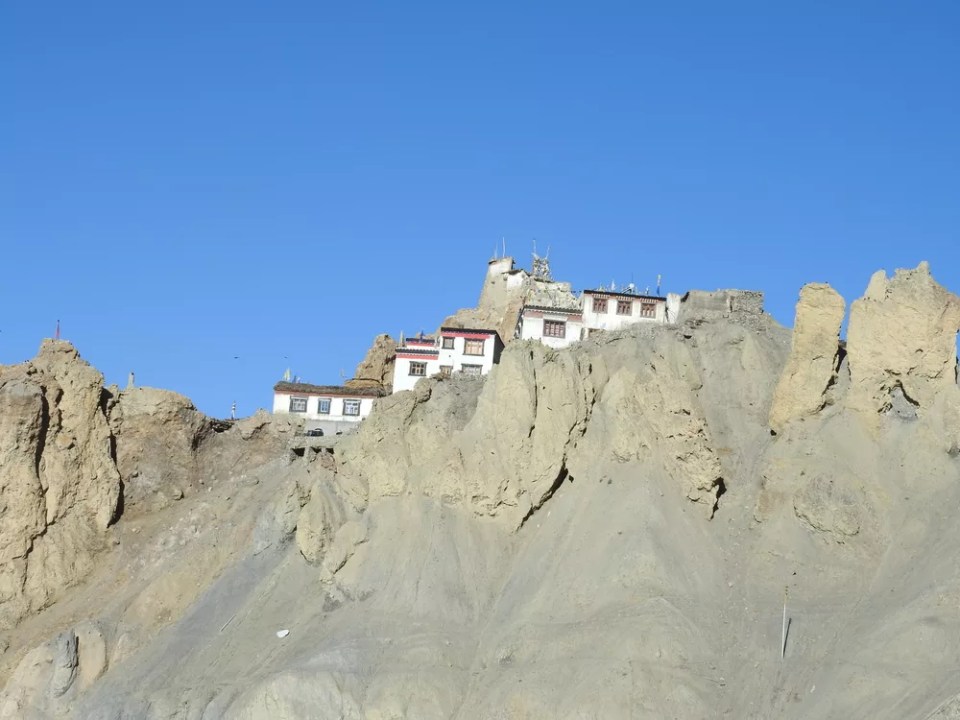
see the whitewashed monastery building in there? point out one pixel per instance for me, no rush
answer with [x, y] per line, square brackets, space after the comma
[454, 350]
[532, 306]
[331, 408]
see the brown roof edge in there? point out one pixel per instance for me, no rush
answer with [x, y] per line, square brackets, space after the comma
[638, 296]
[340, 390]
[479, 331]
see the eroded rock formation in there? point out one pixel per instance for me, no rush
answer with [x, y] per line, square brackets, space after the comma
[814, 356]
[903, 336]
[377, 365]
[534, 544]
[59, 487]
[542, 417]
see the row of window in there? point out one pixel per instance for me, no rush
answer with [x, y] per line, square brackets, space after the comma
[470, 347]
[625, 307]
[299, 404]
[419, 369]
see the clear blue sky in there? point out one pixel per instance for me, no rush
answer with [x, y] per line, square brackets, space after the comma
[207, 193]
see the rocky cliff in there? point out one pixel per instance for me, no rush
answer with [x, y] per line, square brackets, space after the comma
[377, 365]
[607, 531]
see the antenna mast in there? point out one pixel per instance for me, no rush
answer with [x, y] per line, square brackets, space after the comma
[541, 265]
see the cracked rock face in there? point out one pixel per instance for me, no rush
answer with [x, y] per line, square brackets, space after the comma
[377, 365]
[58, 482]
[814, 350]
[543, 417]
[902, 335]
[533, 544]
[157, 434]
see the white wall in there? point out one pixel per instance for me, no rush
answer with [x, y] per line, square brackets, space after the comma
[673, 307]
[610, 320]
[403, 380]
[281, 405]
[457, 358]
[531, 328]
[454, 358]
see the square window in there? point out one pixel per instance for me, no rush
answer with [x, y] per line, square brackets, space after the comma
[447, 343]
[624, 307]
[473, 347]
[599, 305]
[554, 328]
[472, 369]
[351, 407]
[323, 406]
[648, 309]
[446, 370]
[418, 369]
[298, 404]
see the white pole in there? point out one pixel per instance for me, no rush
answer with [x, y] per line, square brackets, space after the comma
[783, 632]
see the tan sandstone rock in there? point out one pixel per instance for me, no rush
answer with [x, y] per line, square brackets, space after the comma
[58, 482]
[539, 418]
[812, 364]
[157, 434]
[318, 523]
[44, 676]
[903, 338]
[377, 365]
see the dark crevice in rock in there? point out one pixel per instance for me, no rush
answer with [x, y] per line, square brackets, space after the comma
[43, 430]
[118, 511]
[901, 405]
[721, 491]
[561, 476]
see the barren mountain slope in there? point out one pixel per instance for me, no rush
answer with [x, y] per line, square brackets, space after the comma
[602, 532]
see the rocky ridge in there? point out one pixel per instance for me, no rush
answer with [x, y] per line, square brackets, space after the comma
[604, 531]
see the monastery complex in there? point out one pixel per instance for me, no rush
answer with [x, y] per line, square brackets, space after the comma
[514, 305]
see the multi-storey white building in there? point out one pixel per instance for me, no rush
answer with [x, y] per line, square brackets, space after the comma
[559, 327]
[332, 408]
[613, 310]
[466, 350]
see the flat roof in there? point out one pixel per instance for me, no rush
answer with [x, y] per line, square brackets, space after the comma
[624, 294]
[424, 351]
[476, 331]
[339, 390]
[551, 308]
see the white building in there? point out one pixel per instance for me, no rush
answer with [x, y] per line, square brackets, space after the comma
[614, 310]
[466, 350]
[553, 326]
[331, 408]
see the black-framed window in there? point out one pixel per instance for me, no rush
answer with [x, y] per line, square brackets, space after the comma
[351, 407]
[323, 406]
[418, 369]
[447, 342]
[471, 369]
[298, 404]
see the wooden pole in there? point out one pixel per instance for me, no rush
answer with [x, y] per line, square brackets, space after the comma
[783, 632]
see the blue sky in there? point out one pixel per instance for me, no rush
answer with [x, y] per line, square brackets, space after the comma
[207, 193]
